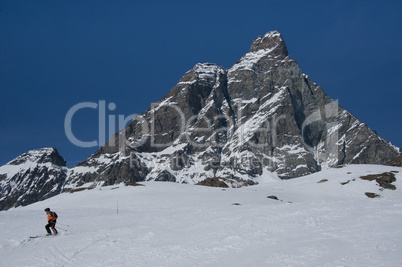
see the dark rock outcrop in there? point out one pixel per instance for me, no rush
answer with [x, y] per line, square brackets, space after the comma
[397, 161]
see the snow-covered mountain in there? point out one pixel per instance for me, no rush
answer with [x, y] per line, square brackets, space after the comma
[262, 116]
[322, 219]
[31, 177]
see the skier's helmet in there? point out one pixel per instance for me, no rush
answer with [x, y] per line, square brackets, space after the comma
[47, 209]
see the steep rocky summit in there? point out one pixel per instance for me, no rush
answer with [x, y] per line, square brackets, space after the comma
[262, 115]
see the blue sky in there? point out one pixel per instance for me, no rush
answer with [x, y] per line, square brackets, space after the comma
[56, 54]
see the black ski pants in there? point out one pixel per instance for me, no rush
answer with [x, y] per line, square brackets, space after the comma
[51, 225]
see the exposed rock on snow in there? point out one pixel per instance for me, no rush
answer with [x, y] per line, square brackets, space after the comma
[214, 182]
[384, 180]
[397, 161]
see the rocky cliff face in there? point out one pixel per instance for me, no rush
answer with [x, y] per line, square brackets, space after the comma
[261, 115]
[31, 177]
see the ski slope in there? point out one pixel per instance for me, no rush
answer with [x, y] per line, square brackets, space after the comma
[170, 224]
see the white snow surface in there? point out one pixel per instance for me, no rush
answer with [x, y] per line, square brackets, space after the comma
[171, 224]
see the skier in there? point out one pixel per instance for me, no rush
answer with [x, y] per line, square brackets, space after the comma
[51, 221]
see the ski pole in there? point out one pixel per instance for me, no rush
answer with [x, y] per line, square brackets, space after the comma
[64, 224]
[62, 229]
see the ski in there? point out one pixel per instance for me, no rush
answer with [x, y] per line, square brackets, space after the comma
[38, 236]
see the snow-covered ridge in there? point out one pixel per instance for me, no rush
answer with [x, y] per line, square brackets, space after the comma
[30, 160]
[33, 155]
[33, 176]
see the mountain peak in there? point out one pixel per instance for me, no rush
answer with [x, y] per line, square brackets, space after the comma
[42, 155]
[35, 175]
[272, 40]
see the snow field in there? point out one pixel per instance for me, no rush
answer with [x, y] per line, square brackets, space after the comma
[169, 224]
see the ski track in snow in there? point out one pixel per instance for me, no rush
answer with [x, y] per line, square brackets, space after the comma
[170, 224]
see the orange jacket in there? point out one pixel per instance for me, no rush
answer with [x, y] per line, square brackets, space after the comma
[51, 216]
